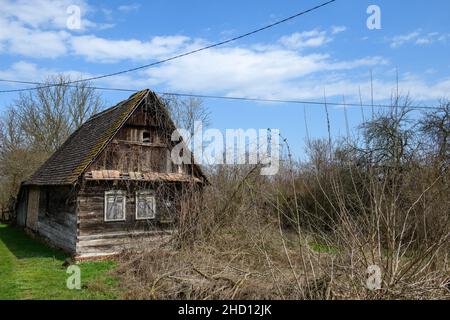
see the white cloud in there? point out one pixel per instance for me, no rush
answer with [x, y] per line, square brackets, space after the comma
[43, 14]
[38, 28]
[247, 71]
[336, 82]
[256, 75]
[418, 38]
[338, 29]
[306, 39]
[431, 38]
[398, 41]
[16, 39]
[283, 69]
[26, 71]
[129, 7]
[423, 41]
[418, 88]
[104, 50]
[22, 70]
[311, 39]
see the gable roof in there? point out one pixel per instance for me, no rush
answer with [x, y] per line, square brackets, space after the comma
[85, 144]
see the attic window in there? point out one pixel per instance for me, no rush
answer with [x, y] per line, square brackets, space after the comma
[115, 205]
[145, 205]
[146, 137]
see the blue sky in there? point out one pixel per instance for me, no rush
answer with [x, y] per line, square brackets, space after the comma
[329, 49]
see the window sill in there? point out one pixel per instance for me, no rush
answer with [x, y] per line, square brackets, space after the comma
[121, 220]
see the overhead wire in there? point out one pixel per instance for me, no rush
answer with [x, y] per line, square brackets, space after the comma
[218, 97]
[217, 44]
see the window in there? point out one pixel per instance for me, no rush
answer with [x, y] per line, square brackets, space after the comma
[115, 203]
[146, 137]
[145, 205]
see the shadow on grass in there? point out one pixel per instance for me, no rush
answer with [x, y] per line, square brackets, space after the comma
[23, 246]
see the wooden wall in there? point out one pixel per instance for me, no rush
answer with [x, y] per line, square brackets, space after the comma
[95, 235]
[129, 152]
[57, 216]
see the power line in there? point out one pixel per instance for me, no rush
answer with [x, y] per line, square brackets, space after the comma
[204, 96]
[185, 53]
[42, 85]
[291, 101]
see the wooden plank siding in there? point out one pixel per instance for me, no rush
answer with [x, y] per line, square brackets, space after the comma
[57, 217]
[113, 243]
[33, 209]
[130, 152]
[95, 235]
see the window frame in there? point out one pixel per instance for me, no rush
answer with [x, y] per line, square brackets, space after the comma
[146, 139]
[124, 205]
[145, 194]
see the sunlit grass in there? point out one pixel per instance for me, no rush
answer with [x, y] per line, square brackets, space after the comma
[31, 270]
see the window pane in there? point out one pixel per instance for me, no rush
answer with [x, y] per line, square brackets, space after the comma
[145, 206]
[115, 207]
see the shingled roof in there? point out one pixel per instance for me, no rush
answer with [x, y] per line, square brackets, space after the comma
[74, 156]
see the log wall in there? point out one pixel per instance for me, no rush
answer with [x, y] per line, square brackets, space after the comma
[57, 217]
[97, 236]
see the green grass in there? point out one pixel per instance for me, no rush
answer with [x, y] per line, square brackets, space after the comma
[322, 248]
[31, 270]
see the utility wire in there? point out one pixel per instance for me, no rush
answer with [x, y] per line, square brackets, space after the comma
[291, 101]
[204, 96]
[185, 53]
[42, 85]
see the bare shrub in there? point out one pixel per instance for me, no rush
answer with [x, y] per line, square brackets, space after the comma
[314, 230]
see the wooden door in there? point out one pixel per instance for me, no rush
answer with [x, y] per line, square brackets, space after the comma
[33, 209]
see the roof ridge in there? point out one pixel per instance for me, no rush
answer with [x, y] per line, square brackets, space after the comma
[101, 113]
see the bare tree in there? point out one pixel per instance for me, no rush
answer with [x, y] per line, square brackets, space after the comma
[83, 103]
[49, 114]
[435, 126]
[185, 112]
[389, 136]
[36, 124]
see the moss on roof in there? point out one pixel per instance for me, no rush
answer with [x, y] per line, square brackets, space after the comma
[83, 146]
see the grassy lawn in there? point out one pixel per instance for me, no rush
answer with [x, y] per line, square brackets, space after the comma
[32, 270]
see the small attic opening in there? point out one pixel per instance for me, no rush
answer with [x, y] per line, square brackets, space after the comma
[146, 136]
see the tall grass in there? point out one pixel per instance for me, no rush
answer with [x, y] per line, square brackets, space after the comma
[318, 228]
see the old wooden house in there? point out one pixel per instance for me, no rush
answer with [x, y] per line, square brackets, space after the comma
[112, 184]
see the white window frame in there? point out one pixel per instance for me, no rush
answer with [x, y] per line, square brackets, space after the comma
[145, 194]
[124, 204]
